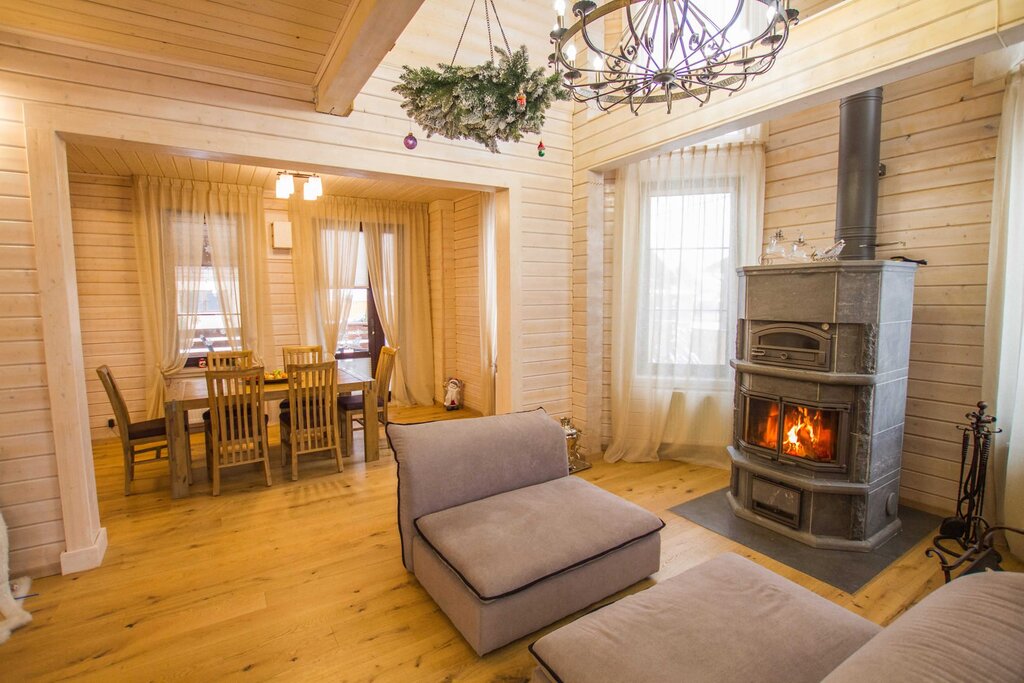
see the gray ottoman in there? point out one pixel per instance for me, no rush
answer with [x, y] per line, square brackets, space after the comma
[728, 619]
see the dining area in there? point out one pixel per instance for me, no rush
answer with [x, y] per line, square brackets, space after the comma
[321, 402]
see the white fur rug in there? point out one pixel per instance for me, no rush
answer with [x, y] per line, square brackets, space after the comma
[12, 612]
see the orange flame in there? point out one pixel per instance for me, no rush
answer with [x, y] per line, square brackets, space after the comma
[808, 434]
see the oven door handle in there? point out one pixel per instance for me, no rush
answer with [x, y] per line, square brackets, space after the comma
[758, 352]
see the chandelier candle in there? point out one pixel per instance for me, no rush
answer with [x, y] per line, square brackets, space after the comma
[669, 49]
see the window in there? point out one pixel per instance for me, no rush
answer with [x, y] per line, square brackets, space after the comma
[213, 313]
[688, 272]
[363, 335]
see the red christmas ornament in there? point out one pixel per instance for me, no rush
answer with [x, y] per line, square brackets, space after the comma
[410, 141]
[541, 148]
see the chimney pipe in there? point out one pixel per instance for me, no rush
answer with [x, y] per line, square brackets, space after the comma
[860, 135]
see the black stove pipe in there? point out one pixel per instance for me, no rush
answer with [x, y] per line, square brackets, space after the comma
[860, 136]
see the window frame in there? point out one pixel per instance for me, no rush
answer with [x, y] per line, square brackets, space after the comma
[696, 374]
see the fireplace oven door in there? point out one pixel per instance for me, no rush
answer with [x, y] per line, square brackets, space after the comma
[792, 345]
[810, 435]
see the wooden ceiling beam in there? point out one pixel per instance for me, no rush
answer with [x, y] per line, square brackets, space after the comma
[364, 37]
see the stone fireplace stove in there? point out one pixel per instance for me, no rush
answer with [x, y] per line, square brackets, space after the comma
[821, 387]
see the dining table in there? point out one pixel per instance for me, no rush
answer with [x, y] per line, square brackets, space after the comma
[186, 392]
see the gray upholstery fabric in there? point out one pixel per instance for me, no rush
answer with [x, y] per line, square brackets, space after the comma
[505, 542]
[448, 463]
[487, 626]
[727, 619]
[539, 676]
[969, 630]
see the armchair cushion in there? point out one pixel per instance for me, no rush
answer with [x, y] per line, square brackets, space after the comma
[451, 462]
[505, 543]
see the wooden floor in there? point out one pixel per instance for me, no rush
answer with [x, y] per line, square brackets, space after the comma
[303, 581]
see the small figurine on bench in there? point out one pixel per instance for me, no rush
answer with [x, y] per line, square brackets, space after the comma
[453, 393]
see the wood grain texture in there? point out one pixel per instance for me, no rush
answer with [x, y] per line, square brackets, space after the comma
[939, 135]
[324, 595]
[266, 39]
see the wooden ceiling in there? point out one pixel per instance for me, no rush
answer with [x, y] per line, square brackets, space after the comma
[327, 48]
[111, 161]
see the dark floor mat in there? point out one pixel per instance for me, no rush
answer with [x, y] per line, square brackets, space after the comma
[846, 570]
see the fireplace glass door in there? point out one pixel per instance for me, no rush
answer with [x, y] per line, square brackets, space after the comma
[779, 428]
[810, 433]
[762, 429]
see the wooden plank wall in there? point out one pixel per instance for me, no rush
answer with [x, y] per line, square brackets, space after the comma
[29, 492]
[939, 135]
[147, 97]
[466, 276]
[440, 217]
[109, 298]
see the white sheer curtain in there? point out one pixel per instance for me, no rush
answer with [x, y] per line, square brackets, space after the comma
[325, 258]
[174, 220]
[488, 301]
[397, 236]
[684, 222]
[169, 263]
[1003, 373]
[238, 250]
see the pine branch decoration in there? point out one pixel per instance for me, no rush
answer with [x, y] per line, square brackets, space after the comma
[479, 102]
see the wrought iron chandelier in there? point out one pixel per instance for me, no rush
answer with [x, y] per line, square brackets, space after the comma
[668, 49]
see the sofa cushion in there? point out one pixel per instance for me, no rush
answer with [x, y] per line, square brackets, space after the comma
[727, 619]
[507, 542]
[969, 630]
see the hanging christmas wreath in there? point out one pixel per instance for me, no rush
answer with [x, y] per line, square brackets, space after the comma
[486, 103]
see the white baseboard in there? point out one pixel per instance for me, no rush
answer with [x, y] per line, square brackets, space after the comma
[90, 557]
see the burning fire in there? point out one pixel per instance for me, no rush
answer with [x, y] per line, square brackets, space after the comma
[806, 434]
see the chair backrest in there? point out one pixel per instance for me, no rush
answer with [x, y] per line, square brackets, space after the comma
[229, 360]
[236, 415]
[121, 418]
[385, 368]
[313, 401]
[302, 355]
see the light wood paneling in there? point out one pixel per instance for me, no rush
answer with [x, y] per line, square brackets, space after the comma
[939, 136]
[29, 493]
[466, 250]
[126, 161]
[332, 601]
[269, 39]
[938, 144]
[442, 311]
[219, 116]
[109, 299]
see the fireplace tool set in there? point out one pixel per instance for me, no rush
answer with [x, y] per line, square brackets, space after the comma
[968, 531]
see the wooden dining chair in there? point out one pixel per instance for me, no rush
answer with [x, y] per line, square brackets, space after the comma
[311, 426]
[229, 360]
[238, 428]
[302, 355]
[216, 361]
[352, 408]
[299, 355]
[137, 438]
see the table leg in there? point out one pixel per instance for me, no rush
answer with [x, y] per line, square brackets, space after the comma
[177, 448]
[371, 426]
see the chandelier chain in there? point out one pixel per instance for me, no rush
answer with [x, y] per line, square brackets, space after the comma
[489, 7]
